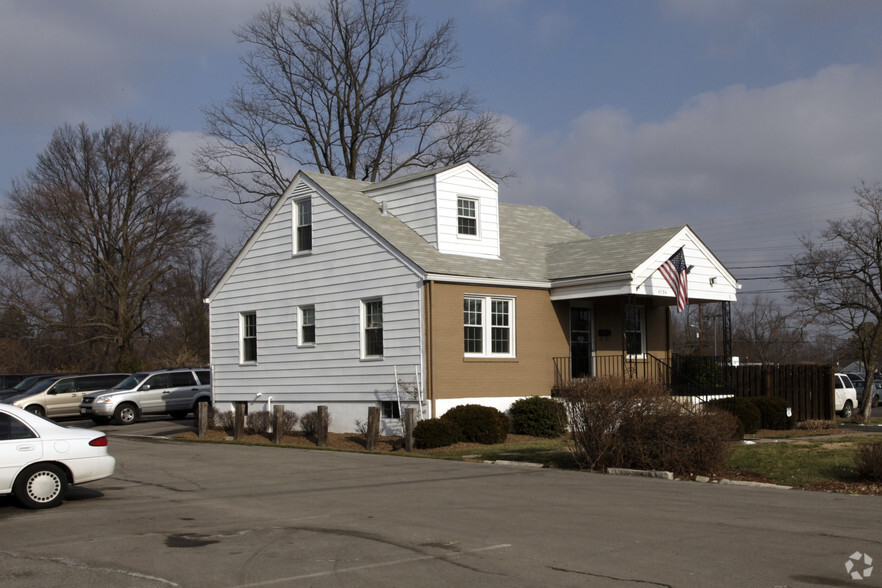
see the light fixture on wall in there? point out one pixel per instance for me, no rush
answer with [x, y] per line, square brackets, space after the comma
[713, 280]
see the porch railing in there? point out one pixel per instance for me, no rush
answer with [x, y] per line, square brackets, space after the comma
[684, 376]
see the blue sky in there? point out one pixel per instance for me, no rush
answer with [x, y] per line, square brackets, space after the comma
[749, 120]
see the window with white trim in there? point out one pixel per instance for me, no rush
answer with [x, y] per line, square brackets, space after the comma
[372, 328]
[488, 326]
[635, 342]
[302, 211]
[467, 217]
[248, 337]
[306, 320]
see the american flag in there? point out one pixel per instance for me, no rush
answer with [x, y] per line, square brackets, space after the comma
[674, 273]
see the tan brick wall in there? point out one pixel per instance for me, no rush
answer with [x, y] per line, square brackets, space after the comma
[540, 335]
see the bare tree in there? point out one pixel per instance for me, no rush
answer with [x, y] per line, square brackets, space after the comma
[90, 233]
[837, 280]
[179, 327]
[351, 88]
[764, 332]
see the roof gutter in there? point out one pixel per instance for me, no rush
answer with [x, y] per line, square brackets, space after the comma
[487, 281]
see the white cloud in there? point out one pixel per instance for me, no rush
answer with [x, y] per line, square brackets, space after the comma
[729, 154]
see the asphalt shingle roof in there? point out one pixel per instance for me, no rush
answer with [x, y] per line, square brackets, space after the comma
[535, 243]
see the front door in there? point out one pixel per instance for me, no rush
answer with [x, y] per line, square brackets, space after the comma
[580, 342]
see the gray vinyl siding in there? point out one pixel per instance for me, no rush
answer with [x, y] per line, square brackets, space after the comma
[346, 266]
[414, 204]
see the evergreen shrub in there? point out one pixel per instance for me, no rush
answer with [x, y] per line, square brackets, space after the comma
[539, 416]
[479, 424]
[773, 412]
[748, 415]
[431, 433]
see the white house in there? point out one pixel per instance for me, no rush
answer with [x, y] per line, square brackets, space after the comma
[426, 291]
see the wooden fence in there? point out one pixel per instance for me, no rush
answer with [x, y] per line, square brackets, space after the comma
[808, 389]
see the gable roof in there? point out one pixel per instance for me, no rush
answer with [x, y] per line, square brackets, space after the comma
[537, 247]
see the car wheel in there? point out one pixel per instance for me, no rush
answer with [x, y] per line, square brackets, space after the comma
[101, 420]
[40, 486]
[847, 410]
[179, 414]
[37, 410]
[875, 400]
[125, 414]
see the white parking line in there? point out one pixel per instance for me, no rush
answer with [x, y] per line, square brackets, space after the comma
[367, 567]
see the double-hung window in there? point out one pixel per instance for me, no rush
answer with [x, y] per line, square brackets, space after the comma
[488, 326]
[467, 217]
[302, 225]
[372, 329]
[634, 339]
[307, 326]
[248, 337]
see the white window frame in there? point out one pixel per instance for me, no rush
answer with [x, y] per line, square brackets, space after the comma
[296, 225]
[641, 310]
[476, 218]
[363, 328]
[244, 336]
[301, 340]
[487, 327]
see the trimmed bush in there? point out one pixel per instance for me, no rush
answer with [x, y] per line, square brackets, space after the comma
[431, 433]
[773, 412]
[539, 416]
[748, 415]
[479, 424]
[637, 424]
[869, 461]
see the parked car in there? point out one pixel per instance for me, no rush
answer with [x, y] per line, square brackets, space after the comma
[846, 395]
[23, 385]
[60, 396]
[877, 392]
[39, 459]
[176, 392]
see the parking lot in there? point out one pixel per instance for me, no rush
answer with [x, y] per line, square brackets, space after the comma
[193, 514]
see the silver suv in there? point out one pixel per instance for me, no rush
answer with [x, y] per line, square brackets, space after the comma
[175, 391]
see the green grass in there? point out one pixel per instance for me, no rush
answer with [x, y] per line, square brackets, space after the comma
[552, 453]
[797, 463]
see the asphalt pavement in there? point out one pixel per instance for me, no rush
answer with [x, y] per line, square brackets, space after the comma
[221, 515]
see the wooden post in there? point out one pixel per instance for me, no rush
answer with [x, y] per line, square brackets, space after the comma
[322, 430]
[410, 421]
[278, 423]
[202, 412]
[239, 421]
[373, 428]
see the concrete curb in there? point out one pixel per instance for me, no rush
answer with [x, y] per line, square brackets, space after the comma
[525, 464]
[754, 484]
[641, 473]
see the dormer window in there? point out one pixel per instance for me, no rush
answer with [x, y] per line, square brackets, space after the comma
[467, 217]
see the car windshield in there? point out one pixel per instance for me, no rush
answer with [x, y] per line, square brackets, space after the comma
[27, 383]
[40, 386]
[130, 382]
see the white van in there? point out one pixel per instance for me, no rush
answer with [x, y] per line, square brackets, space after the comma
[60, 396]
[845, 397]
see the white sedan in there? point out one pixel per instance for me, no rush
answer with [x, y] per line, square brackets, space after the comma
[39, 459]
